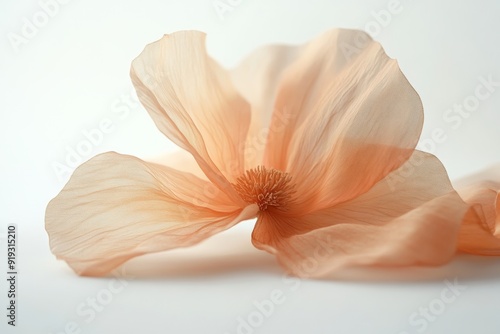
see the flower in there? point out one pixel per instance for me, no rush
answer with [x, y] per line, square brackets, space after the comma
[316, 141]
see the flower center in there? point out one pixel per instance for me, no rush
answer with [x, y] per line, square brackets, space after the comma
[266, 187]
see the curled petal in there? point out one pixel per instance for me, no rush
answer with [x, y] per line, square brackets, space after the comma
[412, 217]
[480, 230]
[116, 207]
[193, 102]
[352, 118]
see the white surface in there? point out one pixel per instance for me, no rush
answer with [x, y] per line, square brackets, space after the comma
[73, 74]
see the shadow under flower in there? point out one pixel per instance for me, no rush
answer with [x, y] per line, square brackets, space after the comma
[232, 252]
[464, 267]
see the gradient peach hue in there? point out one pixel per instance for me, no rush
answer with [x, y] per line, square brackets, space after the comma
[315, 141]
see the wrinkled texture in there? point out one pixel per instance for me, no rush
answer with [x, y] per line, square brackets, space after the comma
[333, 123]
[354, 120]
[480, 230]
[116, 207]
[204, 116]
[406, 221]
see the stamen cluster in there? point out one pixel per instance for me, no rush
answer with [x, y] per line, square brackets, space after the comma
[266, 187]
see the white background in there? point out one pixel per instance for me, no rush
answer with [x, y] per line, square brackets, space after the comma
[72, 73]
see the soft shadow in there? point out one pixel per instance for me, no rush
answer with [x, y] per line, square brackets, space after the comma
[170, 266]
[463, 267]
[230, 252]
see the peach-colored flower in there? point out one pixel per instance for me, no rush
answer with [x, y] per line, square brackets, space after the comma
[316, 141]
